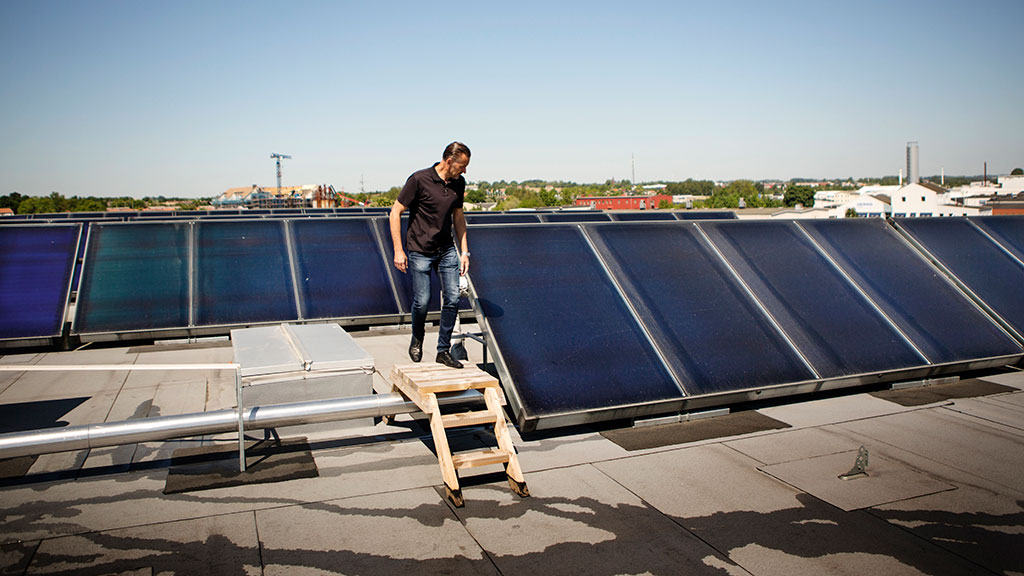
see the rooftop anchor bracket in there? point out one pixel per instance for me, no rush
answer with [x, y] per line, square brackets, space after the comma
[859, 466]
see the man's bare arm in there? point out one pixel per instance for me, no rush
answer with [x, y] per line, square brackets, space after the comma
[459, 219]
[395, 219]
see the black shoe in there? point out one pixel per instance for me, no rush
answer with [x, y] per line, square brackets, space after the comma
[416, 349]
[446, 359]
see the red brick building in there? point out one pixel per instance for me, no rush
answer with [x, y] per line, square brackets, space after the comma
[648, 202]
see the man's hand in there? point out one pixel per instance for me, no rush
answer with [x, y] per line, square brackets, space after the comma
[464, 264]
[401, 262]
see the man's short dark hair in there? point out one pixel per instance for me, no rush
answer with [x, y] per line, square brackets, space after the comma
[455, 149]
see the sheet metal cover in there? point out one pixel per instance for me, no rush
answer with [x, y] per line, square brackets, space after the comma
[329, 347]
[265, 350]
[288, 348]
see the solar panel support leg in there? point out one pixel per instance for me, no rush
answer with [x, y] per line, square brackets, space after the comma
[241, 419]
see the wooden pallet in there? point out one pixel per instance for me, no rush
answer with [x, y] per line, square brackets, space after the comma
[421, 383]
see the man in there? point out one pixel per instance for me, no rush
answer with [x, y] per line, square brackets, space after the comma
[433, 196]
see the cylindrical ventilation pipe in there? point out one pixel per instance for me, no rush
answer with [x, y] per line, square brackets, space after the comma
[33, 442]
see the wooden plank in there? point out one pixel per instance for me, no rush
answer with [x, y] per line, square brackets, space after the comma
[444, 453]
[459, 386]
[432, 381]
[493, 398]
[410, 391]
[428, 371]
[479, 458]
[428, 378]
[468, 419]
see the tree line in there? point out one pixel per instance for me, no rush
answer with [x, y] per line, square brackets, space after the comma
[509, 195]
[526, 194]
[57, 202]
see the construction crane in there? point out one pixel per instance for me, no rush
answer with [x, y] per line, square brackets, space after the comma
[280, 157]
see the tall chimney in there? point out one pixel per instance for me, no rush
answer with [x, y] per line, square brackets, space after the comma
[913, 177]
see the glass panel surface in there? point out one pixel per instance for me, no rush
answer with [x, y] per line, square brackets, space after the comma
[576, 217]
[992, 274]
[688, 215]
[935, 315]
[1007, 230]
[712, 332]
[341, 270]
[501, 218]
[242, 273]
[635, 216]
[36, 263]
[565, 335]
[135, 277]
[836, 328]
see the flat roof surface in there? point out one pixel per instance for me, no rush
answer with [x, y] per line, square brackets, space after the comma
[944, 492]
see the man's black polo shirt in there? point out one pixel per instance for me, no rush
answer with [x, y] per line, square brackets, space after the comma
[430, 201]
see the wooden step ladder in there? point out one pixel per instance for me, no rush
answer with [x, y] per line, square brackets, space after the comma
[421, 383]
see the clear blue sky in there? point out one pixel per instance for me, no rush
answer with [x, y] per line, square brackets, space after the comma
[188, 99]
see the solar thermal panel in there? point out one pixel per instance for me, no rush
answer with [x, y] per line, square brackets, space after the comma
[36, 264]
[933, 313]
[341, 271]
[641, 216]
[832, 324]
[575, 217]
[403, 282]
[709, 215]
[1008, 231]
[242, 273]
[566, 338]
[501, 218]
[980, 264]
[711, 331]
[135, 278]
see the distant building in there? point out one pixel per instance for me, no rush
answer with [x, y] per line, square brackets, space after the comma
[925, 199]
[1005, 205]
[307, 196]
[646, 202]
[1003, 186]
[879, 206]
[6, 212]
[1011, 185]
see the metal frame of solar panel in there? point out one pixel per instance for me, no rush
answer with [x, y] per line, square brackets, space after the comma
[598, 321]
[37, 264]
[204, 277]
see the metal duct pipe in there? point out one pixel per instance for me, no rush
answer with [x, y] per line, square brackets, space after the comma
[34, 442]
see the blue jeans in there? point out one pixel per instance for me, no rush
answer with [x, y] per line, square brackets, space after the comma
[446, 264]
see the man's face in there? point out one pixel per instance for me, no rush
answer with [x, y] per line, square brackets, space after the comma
[457, 165]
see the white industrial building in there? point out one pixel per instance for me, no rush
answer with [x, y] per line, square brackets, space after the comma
[915, 199]
[866, 206]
